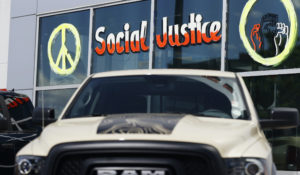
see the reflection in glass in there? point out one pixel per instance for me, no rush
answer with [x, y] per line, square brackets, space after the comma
[267, 30]
[279, 91]
[108, 23]
[56, 32]
[55, 99]
[193, 54]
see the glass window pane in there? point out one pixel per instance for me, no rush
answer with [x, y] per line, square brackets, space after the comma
[188, 28]
[63, 49]
[268, 30]
[120, 37]
[278, 91]
[55, 99]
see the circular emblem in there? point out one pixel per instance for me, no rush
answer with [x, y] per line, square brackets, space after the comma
[277, 59]
[59, 65]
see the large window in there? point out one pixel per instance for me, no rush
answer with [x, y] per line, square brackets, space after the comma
[279, 91]
[270, 33]
[62, 58]
[63, 49]
[55, 99]
[121, 37]
[188, 34]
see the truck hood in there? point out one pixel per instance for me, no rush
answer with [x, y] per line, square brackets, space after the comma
[230, 137]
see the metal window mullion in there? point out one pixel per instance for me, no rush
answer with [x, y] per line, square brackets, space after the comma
[36, 59]
[152, 25]
[90, 42]
[270, 72]
[224, 34]
[58, 87]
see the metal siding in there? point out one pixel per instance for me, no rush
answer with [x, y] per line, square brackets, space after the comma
[23, 7]
[4, 35]
[3, 76]
[4, 30]
[21, 53]
[29, 93]
[46, 6]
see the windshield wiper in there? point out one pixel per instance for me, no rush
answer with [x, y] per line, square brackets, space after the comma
[98, 114]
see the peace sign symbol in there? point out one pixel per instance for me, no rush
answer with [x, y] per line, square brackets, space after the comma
[59, 66]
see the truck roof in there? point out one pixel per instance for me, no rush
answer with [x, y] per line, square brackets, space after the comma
[165, 72]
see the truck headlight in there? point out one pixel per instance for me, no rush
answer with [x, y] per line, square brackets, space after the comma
[247, 166]
[29, 165]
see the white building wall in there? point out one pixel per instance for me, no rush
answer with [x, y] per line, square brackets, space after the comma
[4, 40]
[20, 69]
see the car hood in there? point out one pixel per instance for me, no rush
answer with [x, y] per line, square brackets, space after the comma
[230, 137]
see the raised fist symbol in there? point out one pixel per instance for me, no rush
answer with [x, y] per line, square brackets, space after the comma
[282, 31]
[255, 36]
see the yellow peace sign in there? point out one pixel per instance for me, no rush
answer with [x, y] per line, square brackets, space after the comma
[63, 55]
[276, 60]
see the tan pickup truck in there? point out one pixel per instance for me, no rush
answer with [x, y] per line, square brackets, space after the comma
[155, 122]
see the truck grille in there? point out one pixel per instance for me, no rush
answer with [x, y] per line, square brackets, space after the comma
[160, 158]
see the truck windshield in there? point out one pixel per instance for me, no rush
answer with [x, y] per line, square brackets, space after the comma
[197, 95]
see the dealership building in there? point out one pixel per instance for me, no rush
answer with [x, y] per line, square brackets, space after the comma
[54, 45]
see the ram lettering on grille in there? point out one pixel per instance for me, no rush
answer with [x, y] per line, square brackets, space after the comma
[130, 172]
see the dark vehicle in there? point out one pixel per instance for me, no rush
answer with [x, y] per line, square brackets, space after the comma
[16, 127]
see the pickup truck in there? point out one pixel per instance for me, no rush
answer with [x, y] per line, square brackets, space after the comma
[155, 122]
[16, 128]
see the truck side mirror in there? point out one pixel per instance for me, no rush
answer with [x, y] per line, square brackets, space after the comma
[4, 124]
[281, 118]
[43, 116]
